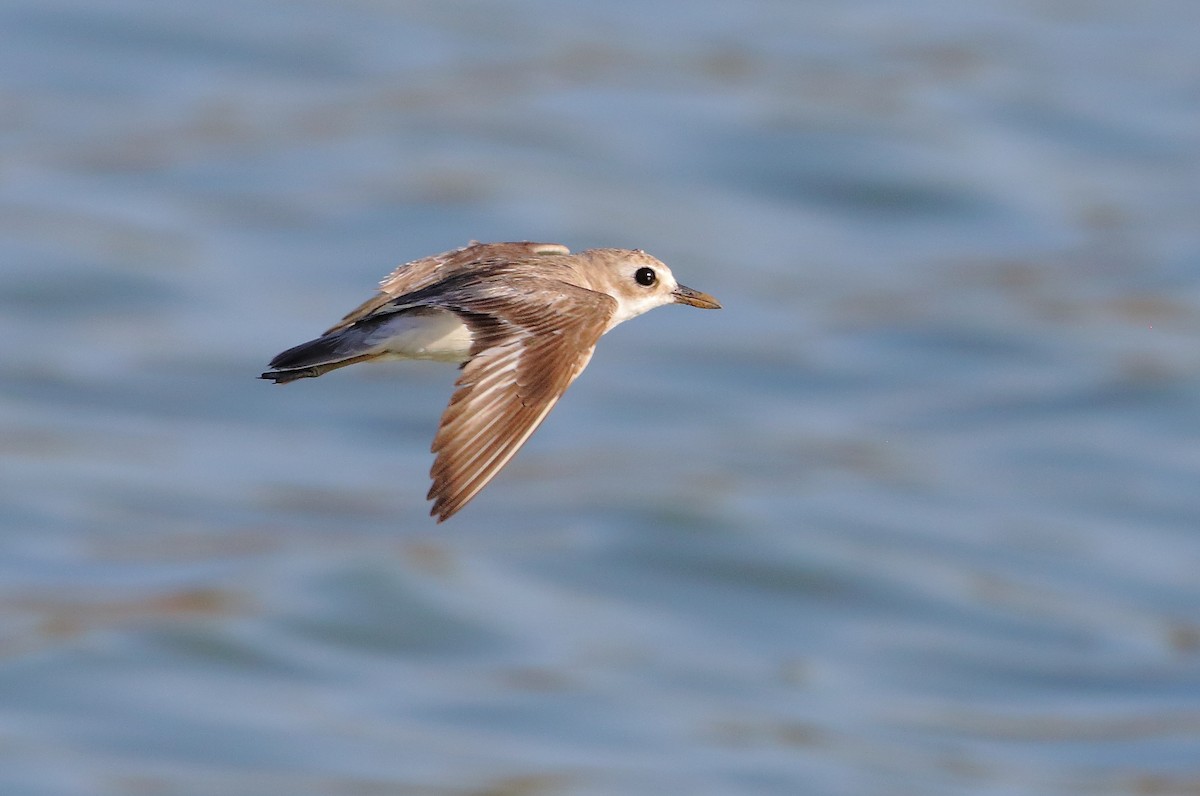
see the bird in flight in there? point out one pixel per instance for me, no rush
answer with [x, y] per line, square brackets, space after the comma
[521, 319]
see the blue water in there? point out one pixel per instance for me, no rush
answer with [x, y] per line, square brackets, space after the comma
[917, 513]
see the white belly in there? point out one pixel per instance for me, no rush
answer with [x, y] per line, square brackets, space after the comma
[423, 334]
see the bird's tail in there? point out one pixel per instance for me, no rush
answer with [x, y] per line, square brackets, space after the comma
[326, 353]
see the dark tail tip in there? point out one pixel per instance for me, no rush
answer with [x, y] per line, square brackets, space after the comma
[284, 376]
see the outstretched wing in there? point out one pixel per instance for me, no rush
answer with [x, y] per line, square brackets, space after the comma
[531, 338]
[427, 271]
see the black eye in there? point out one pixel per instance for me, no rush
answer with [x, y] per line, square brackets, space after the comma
[646, 276]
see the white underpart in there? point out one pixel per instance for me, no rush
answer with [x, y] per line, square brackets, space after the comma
[434, 334]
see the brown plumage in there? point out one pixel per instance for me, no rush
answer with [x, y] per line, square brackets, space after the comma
[522, 318]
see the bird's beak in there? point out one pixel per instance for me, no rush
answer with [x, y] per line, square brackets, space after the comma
[694, 298]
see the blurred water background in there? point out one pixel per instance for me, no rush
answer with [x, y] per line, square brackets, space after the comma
[917, 513]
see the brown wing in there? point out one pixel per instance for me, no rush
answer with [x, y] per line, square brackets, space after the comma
[418, 274]
[530, 342]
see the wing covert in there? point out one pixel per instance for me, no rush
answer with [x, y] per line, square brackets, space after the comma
[532, 338]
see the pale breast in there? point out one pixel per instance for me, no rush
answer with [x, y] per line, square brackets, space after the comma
[423, 333]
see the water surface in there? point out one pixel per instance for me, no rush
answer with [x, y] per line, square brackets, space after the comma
[915, 514]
